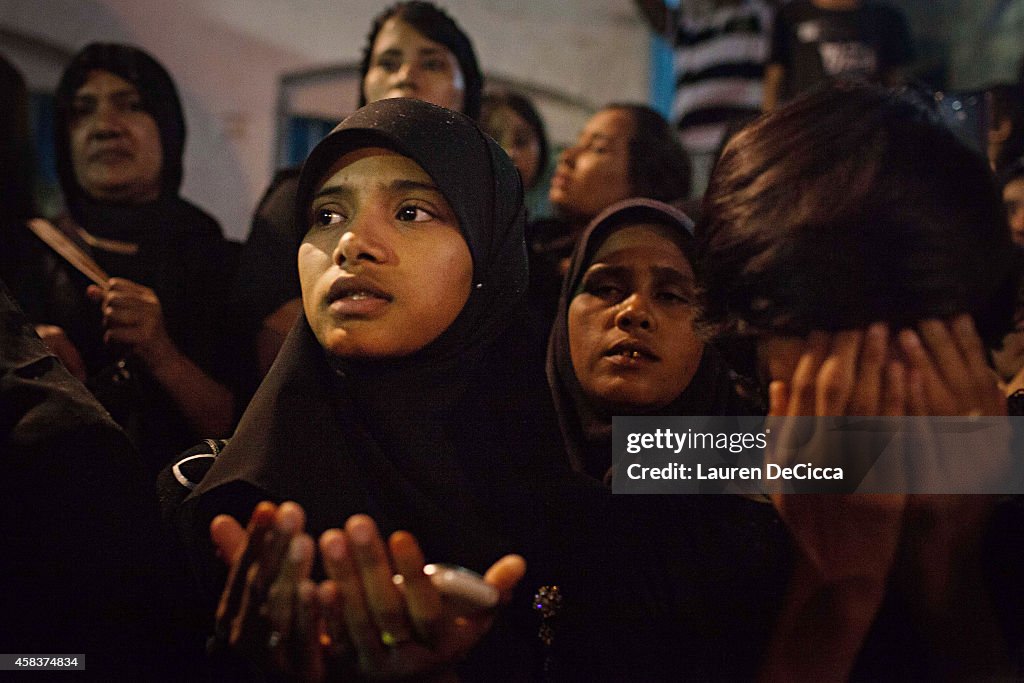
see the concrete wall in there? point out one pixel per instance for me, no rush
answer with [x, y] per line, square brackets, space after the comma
[227, 57]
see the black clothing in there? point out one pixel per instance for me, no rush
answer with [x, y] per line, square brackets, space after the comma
[549, 242]
[83, 567]
[693, 582]
[457, 442]
[185, 260]
[168, 245]
[267, 273]
[815, 45]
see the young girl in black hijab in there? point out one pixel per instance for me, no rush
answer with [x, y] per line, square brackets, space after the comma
[413, 49]
[407, 391]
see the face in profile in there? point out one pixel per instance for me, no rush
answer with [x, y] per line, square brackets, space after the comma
[519, 140]
[1013, 198]
[631, 333]
[115, 144]
[405, 63]
[384, 268]
[594, 173]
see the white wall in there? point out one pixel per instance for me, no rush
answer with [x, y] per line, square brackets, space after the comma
[227, 57]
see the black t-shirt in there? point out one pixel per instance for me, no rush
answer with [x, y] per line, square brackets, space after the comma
[814, 45]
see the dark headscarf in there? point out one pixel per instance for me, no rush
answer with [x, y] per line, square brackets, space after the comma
[16, 165]
[159, 98]
[457, 155]
[443, 442]
[434, 24]
[586, 430]
[175, 249]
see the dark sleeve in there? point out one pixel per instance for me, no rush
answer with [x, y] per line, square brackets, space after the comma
[200, 322]
[1004, 566]
[82, 565]
[898, 46]
[267, 274]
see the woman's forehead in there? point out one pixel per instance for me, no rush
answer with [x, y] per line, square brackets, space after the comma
[644, 240]
[375, 160]
[398, 35]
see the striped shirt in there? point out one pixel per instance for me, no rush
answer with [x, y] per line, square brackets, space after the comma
[719, 59]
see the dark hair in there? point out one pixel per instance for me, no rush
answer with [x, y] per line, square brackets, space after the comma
[848, 206]
[435, 24]
[659, 167]
[157, 93]
[521, 105]
[1011, 172]
[1006, 103]
[16, 159]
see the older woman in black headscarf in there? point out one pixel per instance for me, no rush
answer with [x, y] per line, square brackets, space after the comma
[624, 340]
[147, 338]
[407, 391]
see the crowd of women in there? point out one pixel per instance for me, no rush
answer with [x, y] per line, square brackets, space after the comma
[435, 381]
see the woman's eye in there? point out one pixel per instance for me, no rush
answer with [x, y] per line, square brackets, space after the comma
[673, 296]
[389, 65]
[605, 291]
[325, 217]
[80, 109]
[435, 64]
[413, 214]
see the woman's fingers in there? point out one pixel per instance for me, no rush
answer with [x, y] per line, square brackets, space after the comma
[778, 399]
[505, 575]
[937, 394]
[893, 402]
[987, 393]
[386, 604]
[947, 356]
[869, 386]
[282, 598]
[309, 664]
[252, 628]
[835, 381]
[421, 597]
[243, 558]
[228, 537]
[953, 366]
[803, 386]
[340, 566]
[338, 645]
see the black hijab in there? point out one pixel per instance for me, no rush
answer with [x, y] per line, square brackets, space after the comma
[586, 430]
[445, 442]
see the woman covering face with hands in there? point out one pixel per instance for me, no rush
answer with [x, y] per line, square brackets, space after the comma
[856, 263]
[404, 393]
